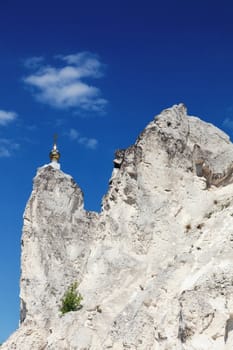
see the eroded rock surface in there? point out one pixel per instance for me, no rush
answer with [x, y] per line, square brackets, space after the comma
[155, 266]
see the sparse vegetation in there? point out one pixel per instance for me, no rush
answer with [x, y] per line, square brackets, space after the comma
[71, 300]
[199, 226]
[188, 227]
[98, 309]
[208, 215]
[225, 205]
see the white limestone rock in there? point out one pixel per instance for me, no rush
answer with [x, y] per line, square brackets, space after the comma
[154, 267]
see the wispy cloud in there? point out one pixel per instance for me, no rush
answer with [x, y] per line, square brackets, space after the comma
[6, 117]
[87, 142]
[73, 134]
[7, 147]
[33, 62]
[65, 84]
[228, 123]
[90, 143]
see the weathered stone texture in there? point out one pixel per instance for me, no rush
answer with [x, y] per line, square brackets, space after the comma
[155, 266]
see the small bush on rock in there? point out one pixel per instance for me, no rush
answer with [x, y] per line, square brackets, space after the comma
[71, 300]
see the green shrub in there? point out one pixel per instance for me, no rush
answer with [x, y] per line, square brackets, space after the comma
[71, 300]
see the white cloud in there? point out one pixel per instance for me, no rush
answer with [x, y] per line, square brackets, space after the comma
[88, 64]
[90, 143]
[7, 147]
[6, 117]
[63, 87]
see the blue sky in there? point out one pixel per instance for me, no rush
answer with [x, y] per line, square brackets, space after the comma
[95, 73]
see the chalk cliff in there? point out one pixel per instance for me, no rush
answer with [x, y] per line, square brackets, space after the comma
[155, 267]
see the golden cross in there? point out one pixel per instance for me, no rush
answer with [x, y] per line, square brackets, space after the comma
[55, 137]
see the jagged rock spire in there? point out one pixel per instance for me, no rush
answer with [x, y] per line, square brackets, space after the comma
[160, 233]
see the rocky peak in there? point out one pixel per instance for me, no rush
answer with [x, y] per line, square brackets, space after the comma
[154, 266]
